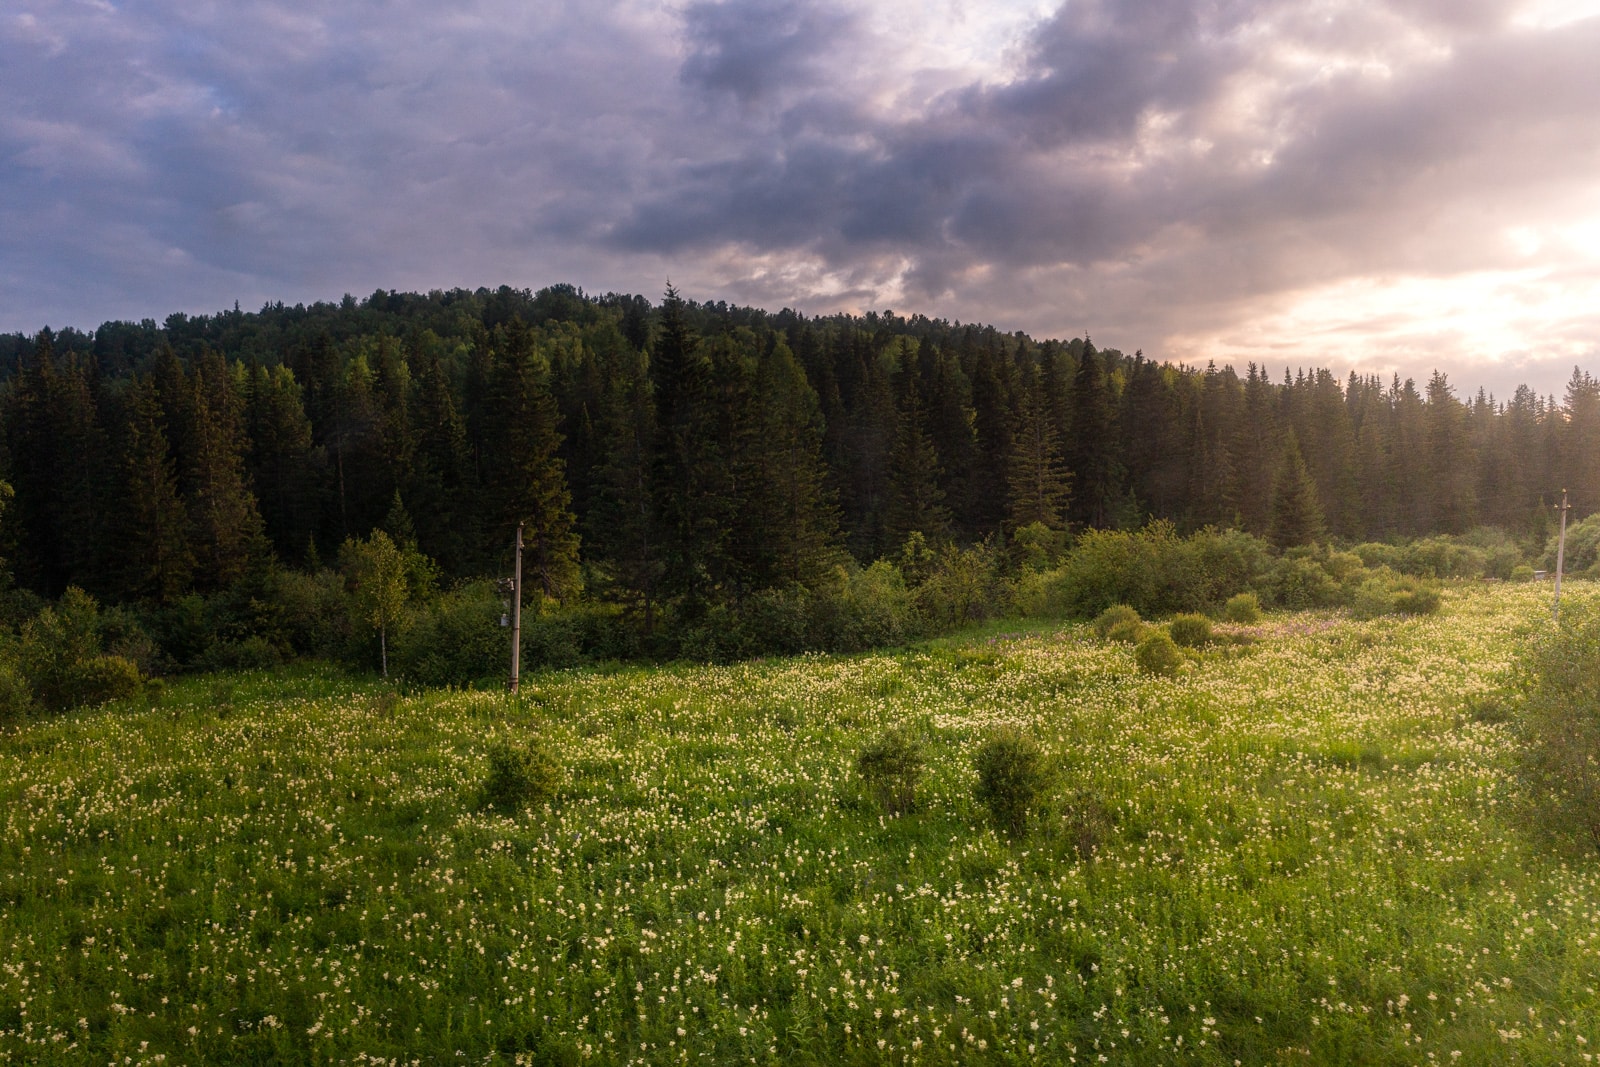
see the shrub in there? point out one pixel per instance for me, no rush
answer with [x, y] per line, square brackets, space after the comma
[16, 695]
[1522, 573]
[1013, 779]
[1560, 675]
[1244, 608]
[1158, 654]
[100, 679]
[456, 640]
[1088, 823]
[1190, 631]
[963, 587]
[1583, 546]
[1128, 632]
[1298, 583]
[1111, 618]
[60, 656]
[1416, 599]
[251, 654]
[862, 609]
[520, 775]
[1389, 594]
[1155, 571]
[890, 769]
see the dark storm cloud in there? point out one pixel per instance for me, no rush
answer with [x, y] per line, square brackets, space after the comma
[1162, 172]
[755, 50]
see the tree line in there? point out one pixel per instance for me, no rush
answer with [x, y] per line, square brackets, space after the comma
[669, 457]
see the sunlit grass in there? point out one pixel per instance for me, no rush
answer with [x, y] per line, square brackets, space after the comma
[1318, 851]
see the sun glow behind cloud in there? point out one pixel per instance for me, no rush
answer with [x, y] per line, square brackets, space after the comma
[1385, 181]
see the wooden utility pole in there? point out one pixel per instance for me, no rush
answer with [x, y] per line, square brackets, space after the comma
[1561, 557]
[516, 614]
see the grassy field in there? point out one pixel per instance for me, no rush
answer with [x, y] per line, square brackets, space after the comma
[1317, 854]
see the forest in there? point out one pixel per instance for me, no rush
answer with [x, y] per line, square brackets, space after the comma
[224, 483]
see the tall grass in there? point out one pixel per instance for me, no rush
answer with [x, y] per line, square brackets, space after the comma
[1303, 850]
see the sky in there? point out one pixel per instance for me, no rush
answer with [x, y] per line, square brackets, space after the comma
[1395, 186]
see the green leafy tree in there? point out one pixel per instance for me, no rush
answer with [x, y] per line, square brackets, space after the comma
[375, 569]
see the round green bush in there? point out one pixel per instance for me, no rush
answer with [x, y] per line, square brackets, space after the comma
[1013, 778]
[103, 678]
[1117, 615]
[1522, 573]
[1128, 632]
[1158, 654]
[520, 775]
[1421, 600]
[1190, 631]
[890, 768]
[1244, 608]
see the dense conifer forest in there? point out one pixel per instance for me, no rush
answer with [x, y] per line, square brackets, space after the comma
[670, 460]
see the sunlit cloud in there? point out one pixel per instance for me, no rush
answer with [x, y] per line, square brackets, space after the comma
[1270, 180]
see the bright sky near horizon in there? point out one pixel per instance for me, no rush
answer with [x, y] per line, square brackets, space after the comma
[1381, 186]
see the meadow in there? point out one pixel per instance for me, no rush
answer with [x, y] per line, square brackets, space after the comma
[1311, 848]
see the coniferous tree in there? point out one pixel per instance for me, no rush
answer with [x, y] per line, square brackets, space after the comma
[1580, 449]
[1255, 450]
[438, 487]
[1089, 452]
[524, 478]
[285, 470]
[687, 461]
[621, 525]
[916, 502]
[225, 525]
[1039, 489]
[1451, 500]
[1296, 513]
[993, 422]
[798, 524]
[153, 543]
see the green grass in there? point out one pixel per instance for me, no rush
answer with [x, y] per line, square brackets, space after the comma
[1317, 853]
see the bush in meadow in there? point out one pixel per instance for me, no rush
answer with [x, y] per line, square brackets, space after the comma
[1088, 823]
[1560, 678]
[60, 655]
[1111, 618]
[520, 775]
[1296, 583]
[1014, 779]
[890, 768]
[1242, 608]
[1158, 653]
[1386, 593]
[1583, 546]
[16, 695]
[1190, 631]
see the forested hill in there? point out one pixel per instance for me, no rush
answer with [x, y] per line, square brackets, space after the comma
[698, 451]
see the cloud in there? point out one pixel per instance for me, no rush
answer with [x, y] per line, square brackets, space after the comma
[1252, 178]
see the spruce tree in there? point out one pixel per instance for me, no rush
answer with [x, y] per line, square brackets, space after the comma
[1089, 453]
[153, 546]
[621, 526]
[1296, 513]
[524, 480]
[1039, 487]
[916, 502]
[225, 525]
[798, 520]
